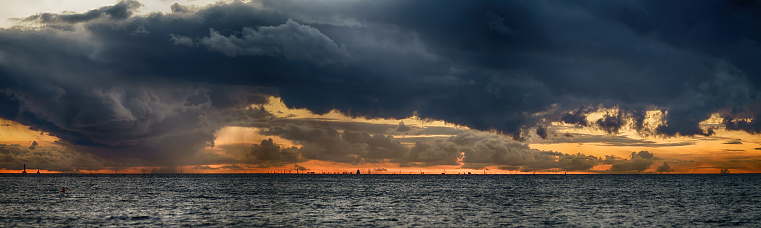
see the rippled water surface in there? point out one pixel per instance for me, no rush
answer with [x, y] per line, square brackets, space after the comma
[380, 200]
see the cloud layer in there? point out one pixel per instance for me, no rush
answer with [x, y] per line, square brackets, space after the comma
[154, 87]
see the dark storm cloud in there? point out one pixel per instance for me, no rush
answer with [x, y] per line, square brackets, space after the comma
[129, 86]
[541, 132]
[610, 123]
[753, 126]
[579, 51]
[575, 117]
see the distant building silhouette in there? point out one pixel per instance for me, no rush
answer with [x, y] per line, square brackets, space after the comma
[24, 169]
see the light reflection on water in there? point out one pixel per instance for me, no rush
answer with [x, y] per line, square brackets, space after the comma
[379, 200]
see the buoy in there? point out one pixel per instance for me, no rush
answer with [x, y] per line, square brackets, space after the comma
[63, 190]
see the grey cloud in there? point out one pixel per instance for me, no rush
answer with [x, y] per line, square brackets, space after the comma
[439, 131]
[577, 162]
[165, 170]
[639, 161]
[497, 151]
[609, 140]
[481, 149]
[205, 167]
[181, 40]
[440, 153]
[291, 40]
[477, 166]
[120, 11]
[376, 146]
[497, 23]
[411, 140]
[267, 154]
[507, 167]
[642, 155]
[541, 132]
[232, 167]
[177, 8]
[478, 149]
[632, 165]
[318, 143]
[371, 128]
[54, 158]
[466, 139]
[402, 128]
[665, 168]
[737, 141]
[330, 145]
[413, 131]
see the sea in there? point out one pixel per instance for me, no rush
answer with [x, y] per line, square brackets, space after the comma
[318, 200]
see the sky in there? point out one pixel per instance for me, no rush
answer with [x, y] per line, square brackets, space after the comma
[334, 86]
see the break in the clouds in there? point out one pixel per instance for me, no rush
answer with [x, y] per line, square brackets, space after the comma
[156, 87]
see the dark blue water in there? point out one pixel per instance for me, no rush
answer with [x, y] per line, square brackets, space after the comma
[380, 200]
